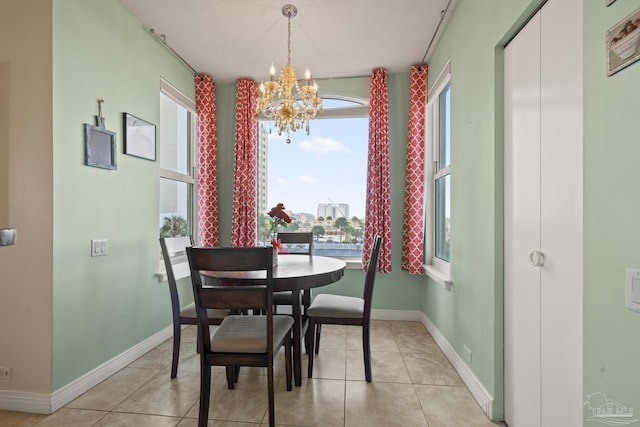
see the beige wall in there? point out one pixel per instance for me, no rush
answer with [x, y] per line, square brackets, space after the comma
[26, 194]
[4, 143]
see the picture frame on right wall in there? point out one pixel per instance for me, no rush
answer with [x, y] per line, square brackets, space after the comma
[139, 137]
[623, 43]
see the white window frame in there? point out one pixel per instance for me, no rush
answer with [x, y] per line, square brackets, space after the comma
[192, 178]
[352, 111]
[437, 269]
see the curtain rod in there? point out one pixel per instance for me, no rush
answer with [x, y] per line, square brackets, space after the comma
[161, 38]
[433, 37]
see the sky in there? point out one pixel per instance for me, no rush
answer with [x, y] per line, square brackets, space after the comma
[327, 165]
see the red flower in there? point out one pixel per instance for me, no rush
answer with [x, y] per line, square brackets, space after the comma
[278, 212]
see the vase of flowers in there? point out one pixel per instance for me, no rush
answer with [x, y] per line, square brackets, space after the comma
[279, 219]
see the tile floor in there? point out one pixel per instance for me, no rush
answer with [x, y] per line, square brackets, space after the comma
[413, 385]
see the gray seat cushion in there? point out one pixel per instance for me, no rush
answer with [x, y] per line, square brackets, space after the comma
[248, 334]
[327, 305]
[190, 311]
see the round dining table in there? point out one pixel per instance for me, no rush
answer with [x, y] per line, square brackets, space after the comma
[298, 274]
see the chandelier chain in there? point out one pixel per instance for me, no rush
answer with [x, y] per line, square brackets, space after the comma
[289, 37]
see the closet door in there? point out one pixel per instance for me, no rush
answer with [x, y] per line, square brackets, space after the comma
[522, 227]
[543, 219]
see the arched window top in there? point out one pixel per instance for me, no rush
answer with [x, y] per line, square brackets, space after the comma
[331, 102]
[343, 106]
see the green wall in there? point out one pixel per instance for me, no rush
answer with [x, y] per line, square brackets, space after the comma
[611, 206]
[104, 305]
[471, 312]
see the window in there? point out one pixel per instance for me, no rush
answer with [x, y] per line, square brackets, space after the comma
[438, 180]
[320, 177]
[177, 165]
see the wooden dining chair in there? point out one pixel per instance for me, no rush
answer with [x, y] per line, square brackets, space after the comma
[239, 340]
[343, 310]
[303, 245]
[175, 260]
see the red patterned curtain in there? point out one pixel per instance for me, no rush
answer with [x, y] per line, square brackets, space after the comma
[413, 222]
[378, 204]
[207, 161]
[245, 219]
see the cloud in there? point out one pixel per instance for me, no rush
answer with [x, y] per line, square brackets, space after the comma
[306, 179]
[322, 145]
[282, 181]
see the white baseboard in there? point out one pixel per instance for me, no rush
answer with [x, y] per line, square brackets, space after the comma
[482, 396]
[415, 315]
[42, 403]
[36, 403]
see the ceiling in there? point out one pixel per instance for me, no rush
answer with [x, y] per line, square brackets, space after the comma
[228, 39]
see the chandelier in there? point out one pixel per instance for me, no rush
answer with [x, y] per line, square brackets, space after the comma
[283, 101]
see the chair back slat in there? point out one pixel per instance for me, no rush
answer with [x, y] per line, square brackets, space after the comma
[299, 239]
[372, 267]
[229, 259]
[234, 298]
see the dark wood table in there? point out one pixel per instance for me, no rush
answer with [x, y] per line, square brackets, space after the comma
[298, 274]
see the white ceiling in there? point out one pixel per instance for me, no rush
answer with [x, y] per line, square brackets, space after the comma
[229, 39]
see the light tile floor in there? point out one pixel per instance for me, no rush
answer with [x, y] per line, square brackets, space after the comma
[413, 385]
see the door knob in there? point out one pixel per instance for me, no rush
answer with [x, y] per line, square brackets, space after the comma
[536, 258]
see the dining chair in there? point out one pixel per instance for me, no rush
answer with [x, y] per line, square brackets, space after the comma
[239, 340]
[175, 259]
[303, 245]
[344, 310]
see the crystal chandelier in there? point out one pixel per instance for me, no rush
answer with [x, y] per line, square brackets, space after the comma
[284, 101]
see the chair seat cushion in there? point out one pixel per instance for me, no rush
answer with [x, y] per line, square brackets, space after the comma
[248, 334]
[327, 305]
[190, 311]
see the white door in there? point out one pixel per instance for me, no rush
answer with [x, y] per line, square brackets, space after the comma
[543, 219]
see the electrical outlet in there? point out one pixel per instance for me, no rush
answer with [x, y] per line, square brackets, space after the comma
[5, 373]
[467, 354]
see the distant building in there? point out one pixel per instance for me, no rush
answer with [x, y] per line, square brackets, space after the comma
[263, 189]
[303, 217]
[334, 210]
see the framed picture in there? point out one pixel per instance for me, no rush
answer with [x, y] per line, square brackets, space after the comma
[100, 147]
[623, 43]
[139, 137]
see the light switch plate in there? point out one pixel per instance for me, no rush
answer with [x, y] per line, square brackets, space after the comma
[99, 247]
[633, 289]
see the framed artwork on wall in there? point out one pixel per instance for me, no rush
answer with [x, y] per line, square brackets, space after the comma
[139, 137]
[100, 146]
[623, 43]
